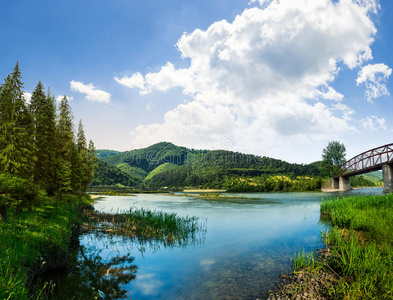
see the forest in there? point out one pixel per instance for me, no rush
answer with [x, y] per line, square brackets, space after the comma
[40, 153]
[165, 165]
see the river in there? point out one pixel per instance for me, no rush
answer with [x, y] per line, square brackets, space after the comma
[248, 243]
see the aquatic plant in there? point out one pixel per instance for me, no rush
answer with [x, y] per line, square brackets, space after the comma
[303, 260]
[149, 227]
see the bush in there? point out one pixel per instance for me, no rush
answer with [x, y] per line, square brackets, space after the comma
[16, 193]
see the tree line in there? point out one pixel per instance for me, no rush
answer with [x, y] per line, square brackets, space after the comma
[39, 151]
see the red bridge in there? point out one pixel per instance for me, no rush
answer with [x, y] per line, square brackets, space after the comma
[380, 158]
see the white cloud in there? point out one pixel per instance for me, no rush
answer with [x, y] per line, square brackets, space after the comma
[92, 93]
[374, 77]
[135, 81]
[330, 94]
[260, 2]
[264, 78]
[346, 111]
[374, 123]
[59, 98]
[27, 96]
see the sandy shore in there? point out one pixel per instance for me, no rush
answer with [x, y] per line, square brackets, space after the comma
[204, 191]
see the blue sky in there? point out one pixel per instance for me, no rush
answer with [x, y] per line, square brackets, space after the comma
[279, 78]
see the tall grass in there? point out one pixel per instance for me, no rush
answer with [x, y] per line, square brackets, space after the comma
[303, 260]
[361, 240]
[167, 229]
[33, 242]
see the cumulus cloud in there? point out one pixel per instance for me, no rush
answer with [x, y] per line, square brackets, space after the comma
[135, 81]
[59, 98]
[374, 77]
[374, 123]
[265, 78]
[91, 92]
[27, 96]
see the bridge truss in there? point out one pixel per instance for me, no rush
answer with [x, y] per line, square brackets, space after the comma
[369, 161]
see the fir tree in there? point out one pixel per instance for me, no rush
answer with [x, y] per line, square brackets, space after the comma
[81, 163]
[16, 128]
[65, 148]
[92, 163]
[43, 109]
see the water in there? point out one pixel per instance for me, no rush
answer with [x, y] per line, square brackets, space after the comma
[247, 245]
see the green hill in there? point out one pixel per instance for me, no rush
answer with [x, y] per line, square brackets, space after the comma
[161, 168]
[165, 164]
[104, 153]
[151, 157]
[368, 179]
[215, 169]
[133, 171]
[106, 174]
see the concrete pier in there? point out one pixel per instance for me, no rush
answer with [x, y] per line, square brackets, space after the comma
[387, 173]
[345, 183]
[335, 184]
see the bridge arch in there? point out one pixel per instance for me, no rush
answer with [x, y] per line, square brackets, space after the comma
[380, 158]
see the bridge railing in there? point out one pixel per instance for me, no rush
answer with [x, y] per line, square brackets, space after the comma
[367, 161]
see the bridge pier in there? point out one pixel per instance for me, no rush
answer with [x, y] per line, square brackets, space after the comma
[335, 183]
[387, 173]
[345, 183]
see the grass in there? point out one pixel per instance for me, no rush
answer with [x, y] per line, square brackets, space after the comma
[168, 229]
[302, 260]
[33, 242]
[360, 246]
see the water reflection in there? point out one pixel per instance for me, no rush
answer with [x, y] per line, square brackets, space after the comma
[94, 277]
[105, 267]
[248, 245]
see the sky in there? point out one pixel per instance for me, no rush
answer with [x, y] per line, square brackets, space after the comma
[279, 78]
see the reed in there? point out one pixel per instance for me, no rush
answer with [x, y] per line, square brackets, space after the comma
[302, 260]
[147, 226]
[361, 243]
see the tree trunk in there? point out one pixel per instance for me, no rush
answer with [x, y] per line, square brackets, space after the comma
[3, 213]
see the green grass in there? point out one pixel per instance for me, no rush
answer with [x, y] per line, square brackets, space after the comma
[303, 260]
[33, 242]
[168, 229]
[361, 240]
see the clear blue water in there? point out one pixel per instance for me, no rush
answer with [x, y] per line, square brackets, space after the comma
[247, 245]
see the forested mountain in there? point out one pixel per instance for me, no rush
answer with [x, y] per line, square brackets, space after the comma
[104, 153]
[165, 164]
[153, 156]
[110, 175]
[223, 169]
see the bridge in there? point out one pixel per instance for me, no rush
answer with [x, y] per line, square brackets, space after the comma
[380, 158]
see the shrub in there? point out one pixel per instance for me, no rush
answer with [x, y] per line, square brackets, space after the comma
[16, 193]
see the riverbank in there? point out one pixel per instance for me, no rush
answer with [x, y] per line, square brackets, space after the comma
[37, 245]
[35, 242]
[357, 260]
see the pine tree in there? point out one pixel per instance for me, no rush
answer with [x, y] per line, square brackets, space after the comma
[16, 128]
[92, 163]
[81, 163]
[65, 148]
[43, 109]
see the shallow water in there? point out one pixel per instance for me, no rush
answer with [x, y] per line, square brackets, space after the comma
[248, 244]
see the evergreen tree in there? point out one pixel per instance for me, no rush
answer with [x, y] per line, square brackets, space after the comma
[65, 148]
[81, 165]
[92, 163]
[16, 128]
[43, 109]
